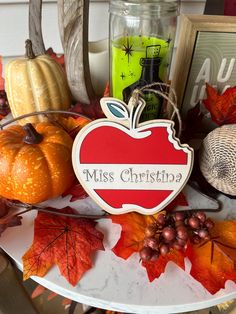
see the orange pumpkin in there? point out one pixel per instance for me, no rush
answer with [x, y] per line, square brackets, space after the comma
[35, 162]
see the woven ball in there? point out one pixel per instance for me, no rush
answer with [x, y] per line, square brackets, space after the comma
[217, 158]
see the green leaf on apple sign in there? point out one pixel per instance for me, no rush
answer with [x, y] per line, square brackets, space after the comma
[118, 110]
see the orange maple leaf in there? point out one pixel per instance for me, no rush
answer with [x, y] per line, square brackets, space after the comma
[213, 262]
[72, 125]
[132, 234]
[221, 107]
[64, 241]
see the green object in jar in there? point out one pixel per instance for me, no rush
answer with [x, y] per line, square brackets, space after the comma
[129, 54]
[138, 61]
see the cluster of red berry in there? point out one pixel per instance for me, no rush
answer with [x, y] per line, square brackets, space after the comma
[173, 231]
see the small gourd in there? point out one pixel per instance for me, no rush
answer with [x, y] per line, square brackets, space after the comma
[35, 162]
[36, 84]
[217, 158]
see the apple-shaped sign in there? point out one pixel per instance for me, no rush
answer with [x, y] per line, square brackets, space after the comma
[126, 166]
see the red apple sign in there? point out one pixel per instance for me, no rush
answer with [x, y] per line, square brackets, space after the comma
[125, 166]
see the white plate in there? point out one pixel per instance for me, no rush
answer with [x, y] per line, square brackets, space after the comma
[114, 283]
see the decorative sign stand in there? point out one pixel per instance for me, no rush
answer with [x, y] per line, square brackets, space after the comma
[73, 25]
[126, 166]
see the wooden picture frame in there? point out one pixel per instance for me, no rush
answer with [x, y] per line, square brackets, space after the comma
[192, 29]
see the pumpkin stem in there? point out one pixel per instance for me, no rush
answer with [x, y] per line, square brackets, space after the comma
[32, 136]
[29, 53]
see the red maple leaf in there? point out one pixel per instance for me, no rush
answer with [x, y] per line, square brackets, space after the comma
[107, 91]
[2, 81]
[4, 105]
[192, 123]
[59, 59]
[214, 260]
[66, 242]
[92, 110]
[4, 208]
[77, 192]
[8, 216]
[180, 200]
[39, 290]
[155, 269]
[221, 107]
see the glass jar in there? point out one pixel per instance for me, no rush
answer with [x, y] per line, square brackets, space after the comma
[142, 35]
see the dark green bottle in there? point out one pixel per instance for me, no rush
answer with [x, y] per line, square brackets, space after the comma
[149, 74]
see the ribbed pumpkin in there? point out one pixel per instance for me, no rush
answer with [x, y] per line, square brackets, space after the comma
[35, 162]
[36, 84]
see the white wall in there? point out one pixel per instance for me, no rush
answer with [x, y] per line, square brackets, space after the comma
[14, 31]
[14, 23]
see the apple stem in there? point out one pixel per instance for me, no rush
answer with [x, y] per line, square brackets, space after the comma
[135, 113]
[131, 118]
